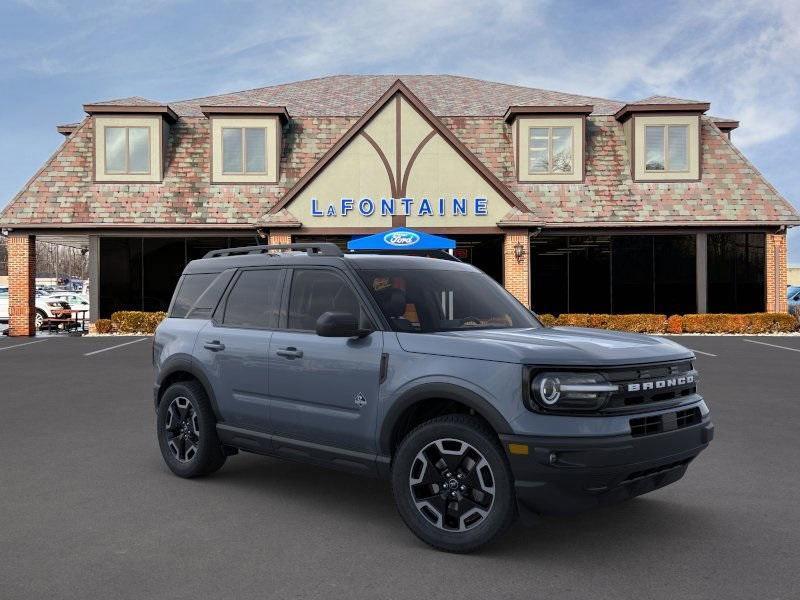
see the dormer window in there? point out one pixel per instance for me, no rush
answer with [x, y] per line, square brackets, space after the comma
[245, 143]
[127, 150]
[550, 150]
[666, 148]
[244, 150]
[548, 142]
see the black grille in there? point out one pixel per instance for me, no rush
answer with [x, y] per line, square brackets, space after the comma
[649, 384]
[665, 422]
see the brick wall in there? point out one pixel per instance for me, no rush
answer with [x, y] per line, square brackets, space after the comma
[280, 236]
[21, 284]
[776, 273]
[516, 274]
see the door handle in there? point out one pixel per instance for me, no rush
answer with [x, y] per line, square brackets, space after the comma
[214, 346]
[290, 352]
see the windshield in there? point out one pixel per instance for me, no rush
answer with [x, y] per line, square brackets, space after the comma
[434, 300]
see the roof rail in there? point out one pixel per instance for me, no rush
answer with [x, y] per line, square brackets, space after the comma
[321, 249]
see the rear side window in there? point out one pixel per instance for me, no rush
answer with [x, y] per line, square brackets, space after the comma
[191, 287]
[254, 301]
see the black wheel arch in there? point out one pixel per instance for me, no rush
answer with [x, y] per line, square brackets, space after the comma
[181, 368]
[437, 391]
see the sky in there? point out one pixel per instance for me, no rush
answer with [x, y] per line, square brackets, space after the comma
[739, 55]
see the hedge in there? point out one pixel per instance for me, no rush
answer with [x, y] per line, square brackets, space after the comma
[103, 326]
[707, 323]
[136, 321]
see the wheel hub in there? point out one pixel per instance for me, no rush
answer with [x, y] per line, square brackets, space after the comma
[181, 429]
[452, 485]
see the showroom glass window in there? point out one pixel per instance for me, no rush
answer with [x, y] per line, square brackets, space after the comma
[244, 150]
[736, 265]
[127, 150]
[666, 148]
[550, 150]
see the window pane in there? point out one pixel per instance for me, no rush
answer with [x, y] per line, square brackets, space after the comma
[562, 149]
[678, 140]
[315, 292]
[253, 301]
[736, 272]
[654, 148]
[549, 274]
[538, 150]
[121, 273]
[632, 274]
[163, 260]
[115, 149]
[191, 288]
[537, 161]
[231, 150]
[589, 274]
[256, 151]
[139, 149]
[675, 278]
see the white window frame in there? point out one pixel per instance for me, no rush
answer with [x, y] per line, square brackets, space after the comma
[550, 170]
[127, 129]
[272, 155]
[243, 129]
[665, 148]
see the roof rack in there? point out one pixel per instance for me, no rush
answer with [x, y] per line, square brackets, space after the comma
[320, 249]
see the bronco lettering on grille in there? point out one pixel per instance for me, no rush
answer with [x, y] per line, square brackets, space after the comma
[659, 384]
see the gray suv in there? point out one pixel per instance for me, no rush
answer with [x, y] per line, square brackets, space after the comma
[426, 372]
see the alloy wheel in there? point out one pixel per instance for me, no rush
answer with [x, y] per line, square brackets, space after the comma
[182, 429]
[452, 485]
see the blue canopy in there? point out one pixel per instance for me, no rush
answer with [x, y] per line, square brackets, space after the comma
[401, 238]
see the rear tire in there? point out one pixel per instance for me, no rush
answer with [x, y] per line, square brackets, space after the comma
[187, 431]
[452, 484]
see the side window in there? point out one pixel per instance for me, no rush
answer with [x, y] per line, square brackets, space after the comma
[317, 291]
[189, 291]
[254, 300]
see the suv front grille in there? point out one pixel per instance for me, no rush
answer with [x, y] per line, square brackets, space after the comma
[648, 384]
[653, 424]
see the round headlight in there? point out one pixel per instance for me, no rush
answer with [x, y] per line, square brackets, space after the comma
[549, 390]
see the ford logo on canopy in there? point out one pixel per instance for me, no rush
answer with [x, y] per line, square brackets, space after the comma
[401, 238]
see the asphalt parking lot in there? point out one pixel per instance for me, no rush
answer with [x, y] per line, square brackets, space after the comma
[88, 509]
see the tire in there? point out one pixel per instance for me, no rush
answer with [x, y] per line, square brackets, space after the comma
[39, 318]
[463, 503]
[187, 432]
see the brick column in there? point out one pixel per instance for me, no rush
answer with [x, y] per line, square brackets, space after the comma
[775, 273]
[280, 236]
[21, 284]
[517, 273]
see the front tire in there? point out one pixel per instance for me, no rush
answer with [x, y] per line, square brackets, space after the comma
[187, 431]
[39, 318]
[452, 484]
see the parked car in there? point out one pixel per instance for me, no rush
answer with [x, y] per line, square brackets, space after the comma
[75, 300]
[47, 307]
[424, 371]
[793, 296]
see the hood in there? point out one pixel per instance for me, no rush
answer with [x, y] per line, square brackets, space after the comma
[556, 346]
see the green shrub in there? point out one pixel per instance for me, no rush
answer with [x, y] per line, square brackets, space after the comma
[136, 321]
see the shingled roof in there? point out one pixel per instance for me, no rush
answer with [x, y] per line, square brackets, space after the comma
[731, 191]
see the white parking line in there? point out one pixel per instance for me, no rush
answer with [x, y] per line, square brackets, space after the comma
[115, 347]
[20, 345]
[772, 345]
[701, 352]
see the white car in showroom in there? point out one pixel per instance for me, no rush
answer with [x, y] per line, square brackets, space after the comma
[47, 307]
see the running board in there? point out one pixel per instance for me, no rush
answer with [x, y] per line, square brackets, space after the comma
[278, 446]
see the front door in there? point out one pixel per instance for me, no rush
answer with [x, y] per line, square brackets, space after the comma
[324, 390]
[233, 348]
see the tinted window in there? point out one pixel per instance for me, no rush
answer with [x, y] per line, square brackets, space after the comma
[316, 291]
[254, 300]
[428, 300]
[190, 289]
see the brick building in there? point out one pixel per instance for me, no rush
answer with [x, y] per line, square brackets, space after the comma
[574, 203]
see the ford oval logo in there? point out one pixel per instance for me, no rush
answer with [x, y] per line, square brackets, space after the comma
[401, 238]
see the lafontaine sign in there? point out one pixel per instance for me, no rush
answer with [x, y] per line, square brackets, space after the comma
[422, 207]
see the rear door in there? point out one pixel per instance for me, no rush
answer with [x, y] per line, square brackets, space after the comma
[324, 390]
[233, 346]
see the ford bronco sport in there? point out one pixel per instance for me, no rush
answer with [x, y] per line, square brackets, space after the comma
[424, 371]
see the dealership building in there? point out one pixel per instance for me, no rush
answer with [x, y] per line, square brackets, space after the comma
[573, 203]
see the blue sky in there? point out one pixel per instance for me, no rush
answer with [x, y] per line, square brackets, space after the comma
[56, 55]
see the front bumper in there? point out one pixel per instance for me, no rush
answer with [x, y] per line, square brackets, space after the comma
[565, 475]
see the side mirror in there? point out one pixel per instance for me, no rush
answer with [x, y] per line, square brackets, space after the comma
[340, 324]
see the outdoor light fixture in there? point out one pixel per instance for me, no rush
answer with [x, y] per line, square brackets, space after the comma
[519, 252]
